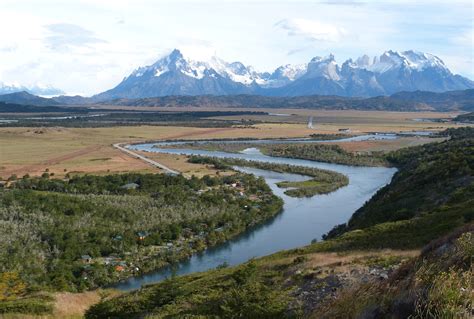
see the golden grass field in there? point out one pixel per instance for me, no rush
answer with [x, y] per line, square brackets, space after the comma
[87, 150]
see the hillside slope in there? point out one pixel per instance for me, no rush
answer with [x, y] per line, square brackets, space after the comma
[27, 99]
[431, 177]
[402, 101]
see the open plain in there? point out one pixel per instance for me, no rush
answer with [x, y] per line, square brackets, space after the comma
[62, 150]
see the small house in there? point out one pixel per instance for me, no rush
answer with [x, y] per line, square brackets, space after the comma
[142, 235]
[345, 130]
[86, 259]
[130, 186]
[119, 268]
[169, 173]
[111, 260]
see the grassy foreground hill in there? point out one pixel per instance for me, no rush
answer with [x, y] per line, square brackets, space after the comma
[358, 271]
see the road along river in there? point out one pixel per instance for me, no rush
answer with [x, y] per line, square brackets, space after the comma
[302, 219]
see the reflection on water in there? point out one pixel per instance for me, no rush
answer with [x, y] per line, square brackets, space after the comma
[302, 219]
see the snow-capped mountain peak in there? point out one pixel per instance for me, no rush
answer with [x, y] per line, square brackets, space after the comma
[175, 61]
[363, 61]
[290, 71]
[393, 71]
[412, 60]
[323, 67]
[37, 89]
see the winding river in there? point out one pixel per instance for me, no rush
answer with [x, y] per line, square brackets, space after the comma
[302, 219]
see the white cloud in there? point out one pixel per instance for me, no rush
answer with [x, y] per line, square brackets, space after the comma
[64, 36]
[312, 30]
[466, 38]
[86, 48]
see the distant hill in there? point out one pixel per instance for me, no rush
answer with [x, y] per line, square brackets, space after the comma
[461, 100]
[466, 118]
[403, 101]
[26, 99]
[23, 108]
[73, 100]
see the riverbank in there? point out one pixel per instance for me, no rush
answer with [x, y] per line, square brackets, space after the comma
[294, 283]
[302, 220]
[319, 181]
[105, 229]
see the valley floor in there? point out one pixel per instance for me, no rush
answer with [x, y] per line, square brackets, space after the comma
[89, 150]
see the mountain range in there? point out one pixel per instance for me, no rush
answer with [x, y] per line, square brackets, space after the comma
[35, 89]
[386, 74]
[407, 80]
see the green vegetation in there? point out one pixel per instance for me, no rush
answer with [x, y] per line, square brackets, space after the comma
[401, 101]
[322, 182]
[467, 118]
[89, 231]
[235, 147]
[438, 284]
[328, 137]
[308, 151]
[314, 186]
[14, 297]
[241, 292]
[83, 117]
[324, 153]
[265, 288]
[436, 182]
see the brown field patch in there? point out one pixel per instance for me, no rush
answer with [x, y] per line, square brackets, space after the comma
[86, 150]
[385, 145]
[89, 150]
[180, 163]
[74, 305]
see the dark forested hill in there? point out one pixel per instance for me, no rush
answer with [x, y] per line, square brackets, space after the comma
[467, 118]
[433, 180]
[26, 98]
[403, 101]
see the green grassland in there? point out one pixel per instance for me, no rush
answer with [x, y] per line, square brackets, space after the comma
[310, 188]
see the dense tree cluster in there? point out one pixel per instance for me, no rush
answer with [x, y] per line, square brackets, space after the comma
[324, 153]
[89, 231]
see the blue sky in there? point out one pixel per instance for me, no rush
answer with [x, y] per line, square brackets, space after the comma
[87, 46]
